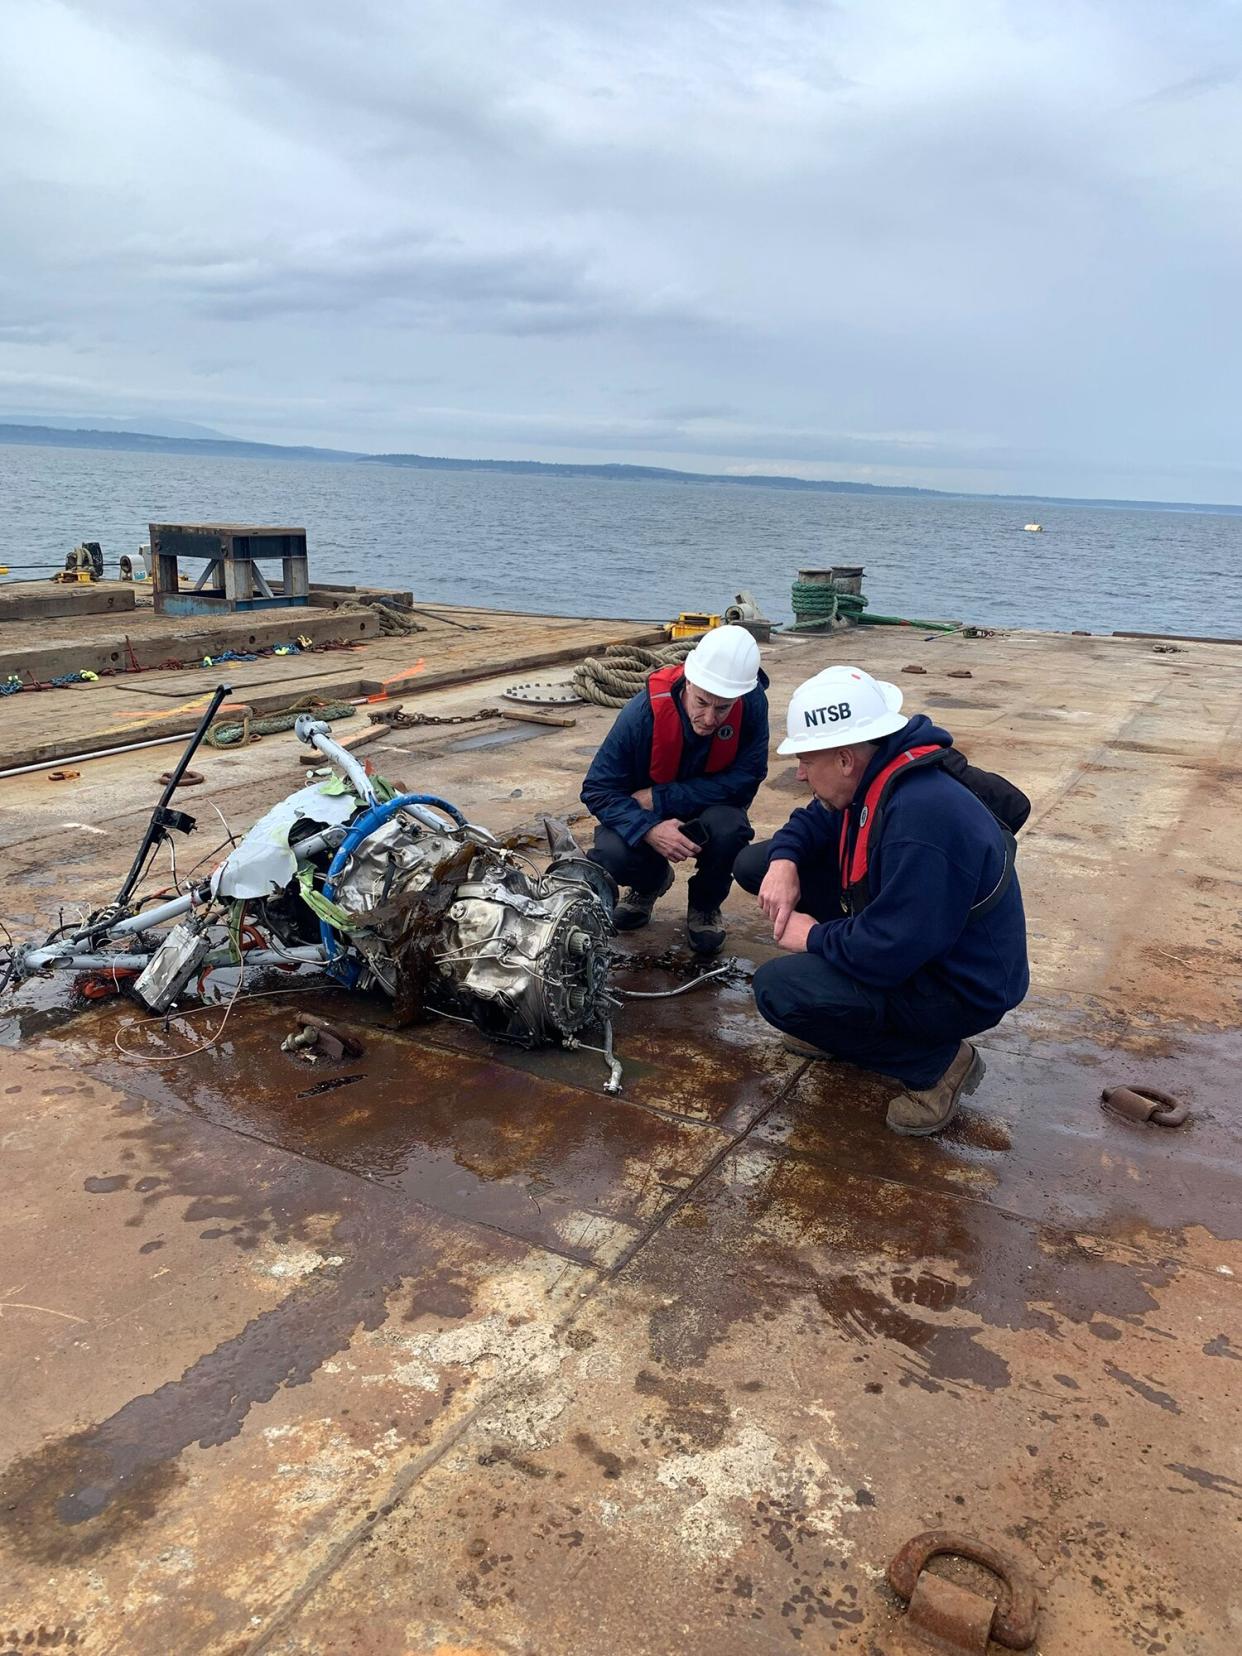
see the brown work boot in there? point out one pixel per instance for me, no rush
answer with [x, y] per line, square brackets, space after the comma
[804, 1049]
[918, 1112]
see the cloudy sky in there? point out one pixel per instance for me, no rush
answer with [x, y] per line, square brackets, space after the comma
[979, 245]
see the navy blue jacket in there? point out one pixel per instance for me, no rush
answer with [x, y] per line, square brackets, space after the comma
[623, 765]
[937, 851]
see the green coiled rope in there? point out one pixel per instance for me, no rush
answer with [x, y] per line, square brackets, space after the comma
[229, 732]
[817, 602]
[819, 605]
[906, 621]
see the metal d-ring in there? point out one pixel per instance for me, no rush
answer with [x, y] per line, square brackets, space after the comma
[1014, 1621]
[1145, 1104]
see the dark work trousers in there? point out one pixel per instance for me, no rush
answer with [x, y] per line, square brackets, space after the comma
[910, 1031]
[728, 829]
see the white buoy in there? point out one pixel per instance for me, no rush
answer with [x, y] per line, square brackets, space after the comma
[1033, 528]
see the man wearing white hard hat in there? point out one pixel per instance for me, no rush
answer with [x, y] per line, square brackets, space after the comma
[894, 894]
[673, 780]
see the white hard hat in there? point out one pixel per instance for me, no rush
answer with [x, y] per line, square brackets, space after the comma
[724, 662]
[839, 706]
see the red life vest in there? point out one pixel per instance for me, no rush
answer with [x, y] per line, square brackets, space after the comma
[852, 859]
[668, 738]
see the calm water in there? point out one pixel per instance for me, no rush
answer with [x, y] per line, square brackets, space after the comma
[582, 547]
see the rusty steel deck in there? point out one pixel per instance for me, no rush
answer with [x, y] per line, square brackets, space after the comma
[467, 1356]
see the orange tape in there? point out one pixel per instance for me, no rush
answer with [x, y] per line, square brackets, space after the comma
[397, 679]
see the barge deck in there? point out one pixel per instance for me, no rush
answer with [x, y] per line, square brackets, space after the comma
[468, 1356]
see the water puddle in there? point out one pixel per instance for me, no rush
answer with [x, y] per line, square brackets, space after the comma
[524, 1150]
[46, 1004]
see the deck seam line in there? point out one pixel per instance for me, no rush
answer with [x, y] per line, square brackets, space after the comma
[706, 1172]
[396, 1493]
[410, 1475]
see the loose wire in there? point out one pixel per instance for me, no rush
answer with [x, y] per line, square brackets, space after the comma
[194, 1012]
[667, 994]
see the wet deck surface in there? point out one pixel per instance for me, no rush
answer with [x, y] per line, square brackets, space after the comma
[468, 1356]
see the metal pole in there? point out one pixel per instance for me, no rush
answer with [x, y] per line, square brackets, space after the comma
[319, 736]
[302, 954]
[156, 830]
[94, 753]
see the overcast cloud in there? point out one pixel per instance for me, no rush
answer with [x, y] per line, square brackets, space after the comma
[977, 245]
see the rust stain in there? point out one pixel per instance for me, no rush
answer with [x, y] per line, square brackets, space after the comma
[697, 1416]
[1151, 1394]
[440, 1291]
[505, 1454]
[798, 1233]
[610, 1464]
[46, 1495]
[76, 1495]
[1216, 1482]
[863, 1312]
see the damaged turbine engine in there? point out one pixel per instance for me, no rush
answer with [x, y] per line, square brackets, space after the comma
[450, 919]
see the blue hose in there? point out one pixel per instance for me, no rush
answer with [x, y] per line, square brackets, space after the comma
[376, 817]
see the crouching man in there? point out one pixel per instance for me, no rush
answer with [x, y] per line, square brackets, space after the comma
[895, 894]
[673, 779]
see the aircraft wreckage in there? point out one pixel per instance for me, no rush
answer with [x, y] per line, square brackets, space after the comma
[382, 890]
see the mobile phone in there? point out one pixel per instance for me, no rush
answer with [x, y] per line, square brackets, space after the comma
[695, 831]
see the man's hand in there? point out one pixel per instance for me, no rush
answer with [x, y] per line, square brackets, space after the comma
[668, 839]
[779, 894]
[643, 799]
[795, 933]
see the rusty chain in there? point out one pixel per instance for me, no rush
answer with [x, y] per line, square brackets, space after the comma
[402, 719]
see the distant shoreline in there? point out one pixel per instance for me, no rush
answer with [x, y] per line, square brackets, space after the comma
[138, 442]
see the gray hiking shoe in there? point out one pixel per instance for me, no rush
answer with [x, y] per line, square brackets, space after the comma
[705, 928]
[634, 909]
[927, 1110]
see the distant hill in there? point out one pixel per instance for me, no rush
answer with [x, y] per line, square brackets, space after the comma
[147, 442]
[658, 474]
[96, 422]
[639, 474]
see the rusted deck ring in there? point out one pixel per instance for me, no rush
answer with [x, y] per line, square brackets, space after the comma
[1017, 1613]
[1145, 1104]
